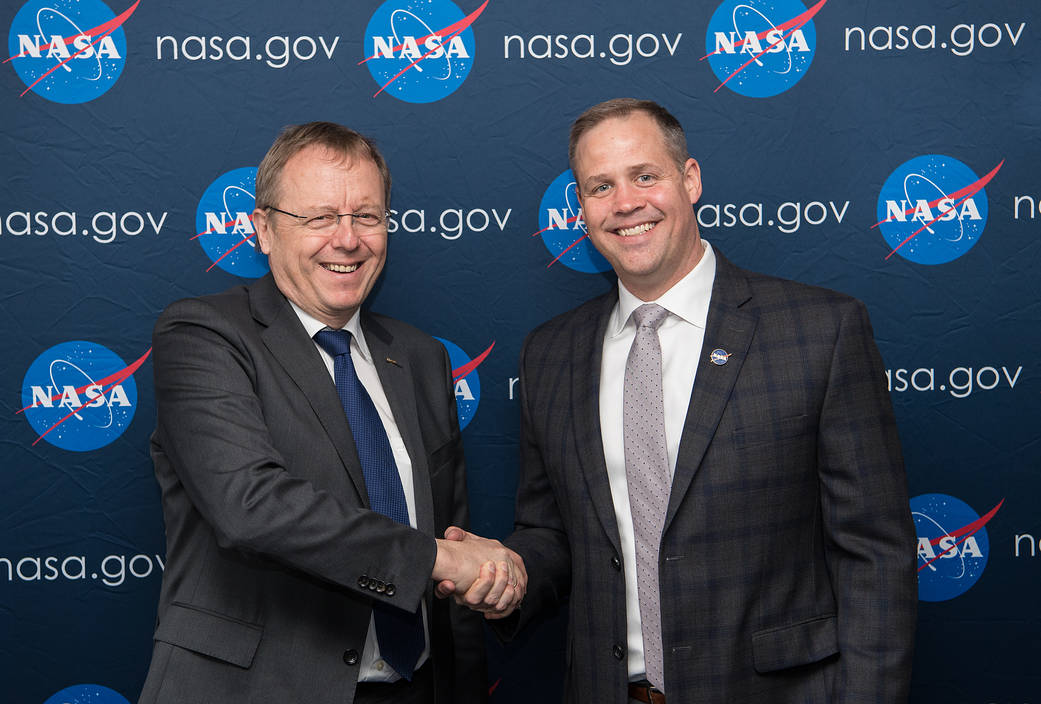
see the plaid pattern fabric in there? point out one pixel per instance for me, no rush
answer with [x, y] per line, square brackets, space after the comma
[787, 565]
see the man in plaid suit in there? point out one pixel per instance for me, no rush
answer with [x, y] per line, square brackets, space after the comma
[785, 561]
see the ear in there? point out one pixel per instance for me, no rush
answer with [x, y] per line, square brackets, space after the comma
[692, 180]
[263, 230]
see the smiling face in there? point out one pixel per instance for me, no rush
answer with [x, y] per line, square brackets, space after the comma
[637, 203]
[327, 274]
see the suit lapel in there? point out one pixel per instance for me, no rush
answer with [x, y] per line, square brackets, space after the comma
[286, 339]
[392, 366]
[730, 328]
[586, 353]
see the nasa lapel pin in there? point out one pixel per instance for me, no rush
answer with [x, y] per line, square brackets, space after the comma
[719, 357]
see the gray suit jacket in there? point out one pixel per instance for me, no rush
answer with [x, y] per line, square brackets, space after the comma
[787, 569]
[272, 552]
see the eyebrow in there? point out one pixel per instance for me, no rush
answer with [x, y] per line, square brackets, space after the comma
[635, 168]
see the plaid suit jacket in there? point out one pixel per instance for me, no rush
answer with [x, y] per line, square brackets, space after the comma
[787, 568]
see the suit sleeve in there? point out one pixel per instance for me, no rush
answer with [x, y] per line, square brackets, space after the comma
[539, 535]
[213, 429]
[869, 534]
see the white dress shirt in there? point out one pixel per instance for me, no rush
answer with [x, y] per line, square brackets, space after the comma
[682, 335]
[373, 667]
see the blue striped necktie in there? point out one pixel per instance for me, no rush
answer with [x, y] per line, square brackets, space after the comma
[399, 632]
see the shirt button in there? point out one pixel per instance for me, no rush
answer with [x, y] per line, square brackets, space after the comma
[618, 652]
[379, 665]
[350, 656]
[616, 563]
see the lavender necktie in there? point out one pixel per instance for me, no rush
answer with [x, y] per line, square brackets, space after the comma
[647, 474]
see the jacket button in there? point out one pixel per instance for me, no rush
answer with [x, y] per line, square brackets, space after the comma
[391, 589]
[381, 587]
[618, 652]
[363, 581]
[616, 563]
[350, 656]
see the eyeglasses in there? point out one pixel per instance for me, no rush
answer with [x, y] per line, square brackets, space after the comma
[327, 222]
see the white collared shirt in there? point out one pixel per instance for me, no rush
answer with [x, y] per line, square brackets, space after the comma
[373, 667]
[682, 335]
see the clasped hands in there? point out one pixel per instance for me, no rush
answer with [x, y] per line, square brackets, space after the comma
[479, 573]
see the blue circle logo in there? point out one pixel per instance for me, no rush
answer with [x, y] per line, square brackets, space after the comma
[464, 377]
[224, 224]
[79, 395]
[420, 51]
[952, 545]
[759, 48]
[87, 694]
[933, 209]
[563, 230]
[68, 51]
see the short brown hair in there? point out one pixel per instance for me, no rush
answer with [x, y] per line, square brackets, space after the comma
[296, 138]
[672, 130]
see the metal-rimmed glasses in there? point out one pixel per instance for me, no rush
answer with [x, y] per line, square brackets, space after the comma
[327, 222]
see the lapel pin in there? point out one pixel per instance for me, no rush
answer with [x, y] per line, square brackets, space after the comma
[393, 361]
[719, 357]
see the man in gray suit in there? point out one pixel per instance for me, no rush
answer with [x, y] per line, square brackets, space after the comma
[308, 454]
[710, 468]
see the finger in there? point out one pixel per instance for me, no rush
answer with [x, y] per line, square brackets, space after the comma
[455, 533]
[444, 588]
[502, 580]
[507, 600]
[477, 592]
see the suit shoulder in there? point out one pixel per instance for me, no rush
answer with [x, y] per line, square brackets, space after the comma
[772, 293]
[566, 323]
[231, 304]
[400, 331]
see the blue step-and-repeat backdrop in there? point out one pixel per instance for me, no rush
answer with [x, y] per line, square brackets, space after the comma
[884, 148]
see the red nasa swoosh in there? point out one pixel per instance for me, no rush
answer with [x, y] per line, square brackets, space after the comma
[962, 194]
[965, 531]
[550, 227]
[105, 29]
[230, 249]
[452, 30]
[788, 28]
[113, 379]
[462, 371]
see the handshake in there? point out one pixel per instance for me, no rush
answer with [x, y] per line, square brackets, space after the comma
[480, 573]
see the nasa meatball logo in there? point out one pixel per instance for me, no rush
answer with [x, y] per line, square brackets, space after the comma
[224, 224]
[933, 209]
[80, 395]
[759, 48]
[563, 230]
[68, 51]
[420, 51]
[87, 694]
[952, 545]
[464, 377]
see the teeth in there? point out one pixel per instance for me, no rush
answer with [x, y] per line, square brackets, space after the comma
[637, 230]
[341, 268]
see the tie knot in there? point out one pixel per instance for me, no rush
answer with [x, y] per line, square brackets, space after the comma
[649, 315]
[335, 342]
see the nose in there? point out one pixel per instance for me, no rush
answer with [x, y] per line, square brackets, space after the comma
[344, 235]
[627, 198]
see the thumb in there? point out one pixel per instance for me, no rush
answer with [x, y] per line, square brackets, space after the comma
[455, 533]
